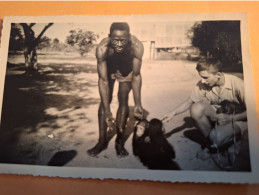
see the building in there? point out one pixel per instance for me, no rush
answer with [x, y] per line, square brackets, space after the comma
[164, 36]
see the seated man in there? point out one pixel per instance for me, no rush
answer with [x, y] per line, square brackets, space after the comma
[213, 88]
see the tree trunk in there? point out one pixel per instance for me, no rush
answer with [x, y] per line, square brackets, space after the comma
[31, 42]
[31, 61]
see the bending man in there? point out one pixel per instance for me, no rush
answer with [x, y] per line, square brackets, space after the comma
[119, 56]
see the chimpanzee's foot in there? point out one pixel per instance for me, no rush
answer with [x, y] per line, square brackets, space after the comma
[120, 150]
[98, 148]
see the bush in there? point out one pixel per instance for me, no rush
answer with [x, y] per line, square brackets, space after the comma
[220, 39]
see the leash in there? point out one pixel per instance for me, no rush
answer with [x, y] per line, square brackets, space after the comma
[220, 155]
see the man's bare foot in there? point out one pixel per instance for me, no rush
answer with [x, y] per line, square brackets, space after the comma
[120, 150]
[97, 149]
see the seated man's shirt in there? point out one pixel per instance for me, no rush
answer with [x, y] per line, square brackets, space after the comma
[232, 90]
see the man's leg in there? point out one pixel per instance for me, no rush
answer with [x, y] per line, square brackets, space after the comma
[203, 114]
[122, 116]
[102, 142]
[222, 134]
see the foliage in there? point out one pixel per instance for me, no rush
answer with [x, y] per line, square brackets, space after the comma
[16, 42]
[56, 45]
[56, 41]
[18, 38]
[219, 39]
[44, 42]
[83, 40]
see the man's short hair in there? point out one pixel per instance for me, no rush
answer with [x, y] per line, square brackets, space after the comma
[209, 64]
[119, 26]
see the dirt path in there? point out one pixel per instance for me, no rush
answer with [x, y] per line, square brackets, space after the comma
[52, 117]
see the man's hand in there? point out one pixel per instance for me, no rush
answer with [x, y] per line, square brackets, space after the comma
[224, 119]
[168, 117]
[138, 112]
[109, 120]
[118, 75]
[120, 78]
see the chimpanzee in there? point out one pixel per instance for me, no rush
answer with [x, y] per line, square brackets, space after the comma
[152, 148]
[227, 107]
[226, 154]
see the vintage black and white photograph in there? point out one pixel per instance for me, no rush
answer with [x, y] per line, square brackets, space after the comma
[162, 96]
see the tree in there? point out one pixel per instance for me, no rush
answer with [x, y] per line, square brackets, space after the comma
[30, 44]
[56, 41]
[220, 39]
[44, 42]
[83, 40]
[16, 40]
[56, 45]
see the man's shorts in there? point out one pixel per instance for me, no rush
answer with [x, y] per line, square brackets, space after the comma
[128, 78]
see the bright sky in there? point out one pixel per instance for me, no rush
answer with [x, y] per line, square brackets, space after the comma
[61, 30]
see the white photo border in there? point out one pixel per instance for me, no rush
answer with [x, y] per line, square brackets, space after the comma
[137, 174]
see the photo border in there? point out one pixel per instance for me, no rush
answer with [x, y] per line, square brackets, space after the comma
[138, 174]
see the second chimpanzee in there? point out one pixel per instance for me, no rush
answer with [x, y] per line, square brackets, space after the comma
[152, 148]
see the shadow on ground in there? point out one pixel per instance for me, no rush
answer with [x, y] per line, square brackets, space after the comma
[188, 123]
[26, 99]
[62, 158]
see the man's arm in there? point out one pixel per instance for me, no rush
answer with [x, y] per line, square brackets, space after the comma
[240, 94]
[184, 106]
[224, 119]
[137, 81]
[136, 77]
[103, 83]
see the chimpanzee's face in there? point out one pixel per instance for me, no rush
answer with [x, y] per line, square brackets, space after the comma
[119, 40]
[141, 127]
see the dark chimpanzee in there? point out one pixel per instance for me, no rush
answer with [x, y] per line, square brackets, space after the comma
[227, 107]
[152, 148]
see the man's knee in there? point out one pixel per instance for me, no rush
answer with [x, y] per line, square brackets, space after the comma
[217, 137]
[197, 110]
[223, 134]
[123, 97]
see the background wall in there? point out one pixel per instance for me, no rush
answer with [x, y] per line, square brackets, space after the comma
[14, 184]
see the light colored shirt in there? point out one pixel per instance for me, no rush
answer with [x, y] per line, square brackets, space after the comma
[232, 90]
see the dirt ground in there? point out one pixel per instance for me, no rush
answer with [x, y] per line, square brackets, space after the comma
[51, 118]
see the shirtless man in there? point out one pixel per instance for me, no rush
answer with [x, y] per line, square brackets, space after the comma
[119, 56]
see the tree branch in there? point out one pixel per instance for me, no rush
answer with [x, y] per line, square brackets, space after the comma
[32, 24]
[42, 32]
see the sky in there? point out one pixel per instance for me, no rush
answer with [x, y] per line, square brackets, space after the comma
[61, 30]
[141, 29]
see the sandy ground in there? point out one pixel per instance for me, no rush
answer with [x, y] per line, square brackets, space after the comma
[57, 113]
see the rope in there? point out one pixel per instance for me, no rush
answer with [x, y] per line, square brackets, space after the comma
[218, 153]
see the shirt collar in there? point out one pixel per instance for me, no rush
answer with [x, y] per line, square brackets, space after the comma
[227, 83]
